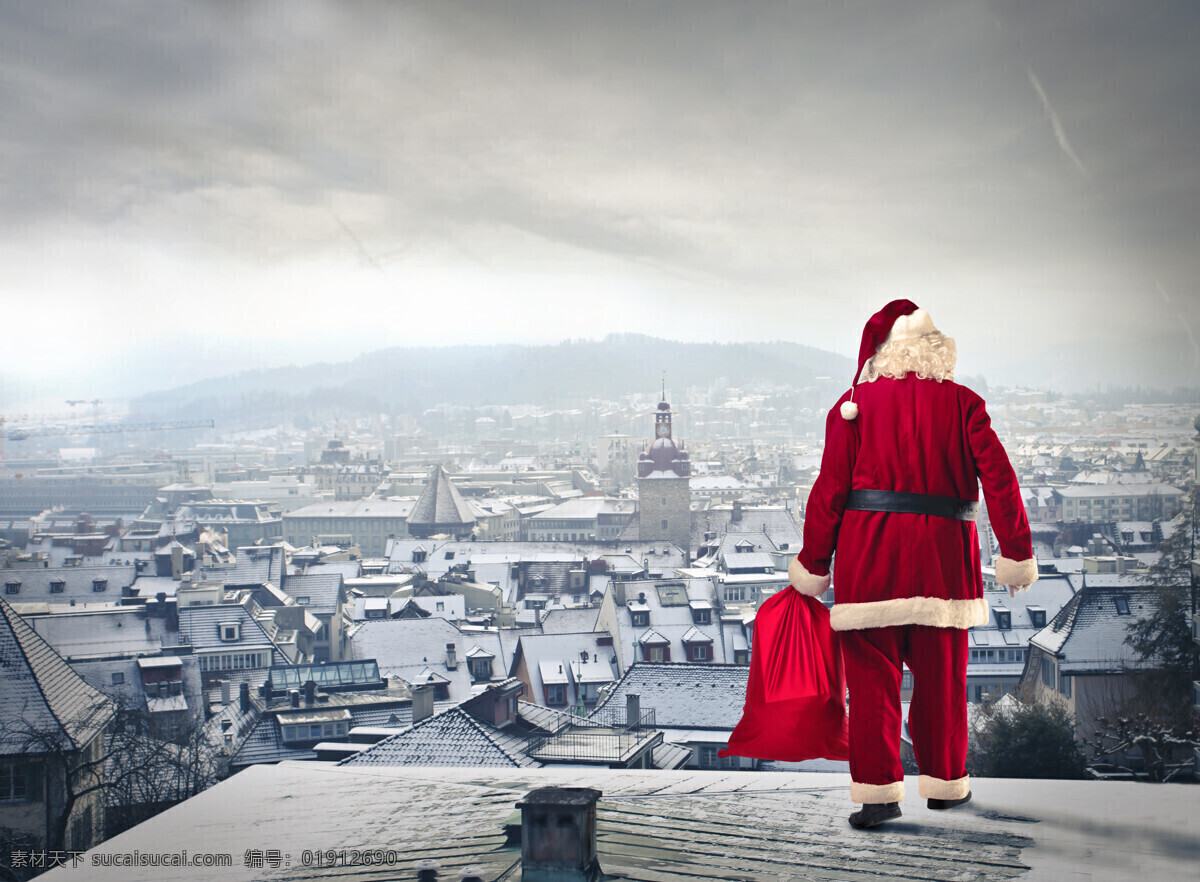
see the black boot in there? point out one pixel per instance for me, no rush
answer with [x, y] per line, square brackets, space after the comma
[874, 813]
[949, 803]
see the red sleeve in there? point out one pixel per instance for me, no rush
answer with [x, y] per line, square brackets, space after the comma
[827, 499]
[1006, 508]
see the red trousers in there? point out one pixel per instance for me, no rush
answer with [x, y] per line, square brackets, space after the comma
[937, 719]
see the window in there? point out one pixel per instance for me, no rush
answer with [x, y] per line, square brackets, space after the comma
[664, 500]
[302, 601]
[654, 653]
[1048, 672]
[440, 606]
[449, 555]
[700, 652]
[556, 694]
[57, 586]
[481, 668]
[1064, 685]
[228, 631]
[13, 783]
[708, 756]
[741, 657]
[118, 678]
[1122, 602]
[12, 587]
[664, 525]
[702, 617]
[641, 618]
[1003, 619]
[906, 681]
[1037, 617]
[99, 584]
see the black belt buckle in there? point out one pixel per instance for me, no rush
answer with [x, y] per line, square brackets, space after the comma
[912, 503]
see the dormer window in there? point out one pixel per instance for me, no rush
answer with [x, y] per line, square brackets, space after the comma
[481, 668]
[1003, 619]
[99, 584]
[57, 586]
[229, 632]
[1037, 616]
[302, 601]
[12, 587]
[419, 555]
[641, 618]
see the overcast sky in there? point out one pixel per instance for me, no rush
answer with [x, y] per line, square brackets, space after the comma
[207, 187]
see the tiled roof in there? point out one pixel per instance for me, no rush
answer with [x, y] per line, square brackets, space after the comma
[40, 694]
[569, 621]
[450, 738]
[1089, 633]
[34, 584]
[440, 503]
[254, 566]
[321, 588]
[684, 695]
[200, 625]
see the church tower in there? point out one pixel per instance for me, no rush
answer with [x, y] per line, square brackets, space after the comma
[664, 485]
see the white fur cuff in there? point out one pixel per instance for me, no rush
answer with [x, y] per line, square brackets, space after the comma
[1018, 573]
[909, 611]
[865, 794]
[935, 788]
[804, 581]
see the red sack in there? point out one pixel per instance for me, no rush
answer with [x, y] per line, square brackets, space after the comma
[796, 695]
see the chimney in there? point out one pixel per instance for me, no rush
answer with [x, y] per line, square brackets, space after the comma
[244, 697]
[736, 517]
[294, 695]
[176, 561]
[225, 693]
[451, 661]
[558, 835]
[422, 702]
[310, 691]
[160, 605]
[641, 597]
[633, 708]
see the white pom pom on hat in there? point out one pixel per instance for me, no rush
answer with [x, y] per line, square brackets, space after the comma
[899, 320]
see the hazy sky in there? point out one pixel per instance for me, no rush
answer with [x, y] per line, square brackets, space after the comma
[190, 189]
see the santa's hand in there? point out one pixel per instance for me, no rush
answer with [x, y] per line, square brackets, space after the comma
[1012, 590]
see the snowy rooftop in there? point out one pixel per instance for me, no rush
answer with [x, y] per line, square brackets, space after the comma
[691, 824]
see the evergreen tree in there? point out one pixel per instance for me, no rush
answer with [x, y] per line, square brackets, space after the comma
[1028, 741]
[1165, 636]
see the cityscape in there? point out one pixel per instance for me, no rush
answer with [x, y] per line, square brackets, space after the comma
[413, 418]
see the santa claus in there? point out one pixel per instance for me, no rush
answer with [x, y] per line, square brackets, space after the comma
[905, 451]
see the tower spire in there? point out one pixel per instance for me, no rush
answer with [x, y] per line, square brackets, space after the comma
[664, 386]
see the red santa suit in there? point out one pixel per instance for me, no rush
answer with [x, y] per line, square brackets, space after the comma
[908, 583]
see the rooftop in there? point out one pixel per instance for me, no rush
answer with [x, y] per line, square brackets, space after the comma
[659, 825]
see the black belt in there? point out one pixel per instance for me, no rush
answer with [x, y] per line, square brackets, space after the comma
[914, 503]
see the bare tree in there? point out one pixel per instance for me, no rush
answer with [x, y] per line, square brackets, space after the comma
[124, 763]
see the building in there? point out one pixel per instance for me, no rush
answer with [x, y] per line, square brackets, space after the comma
[1099, 503]
[52, 738]
[664, 495]
[1081, 658]
[441, 509]
[368, 523]
[588, 518]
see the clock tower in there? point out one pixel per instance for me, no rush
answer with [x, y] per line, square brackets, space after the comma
[664, 485]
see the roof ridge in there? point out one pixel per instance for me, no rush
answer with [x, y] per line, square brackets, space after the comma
[22, 632]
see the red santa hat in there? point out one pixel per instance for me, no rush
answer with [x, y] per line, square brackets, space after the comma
[899, 320]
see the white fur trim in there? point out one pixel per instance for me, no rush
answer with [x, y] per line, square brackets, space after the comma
[849, 410]
[804, 581]
[1018, 573]
[908, 327]
[935, 788]
[909, 611]
[865, 794]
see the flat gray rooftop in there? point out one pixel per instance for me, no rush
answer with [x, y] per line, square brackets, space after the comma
[670, 825]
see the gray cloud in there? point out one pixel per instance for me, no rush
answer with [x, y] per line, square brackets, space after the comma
[750, 154]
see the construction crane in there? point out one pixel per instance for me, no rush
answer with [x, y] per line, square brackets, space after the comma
[22, 434]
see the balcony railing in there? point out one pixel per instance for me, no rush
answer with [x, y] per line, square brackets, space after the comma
[606, 737]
